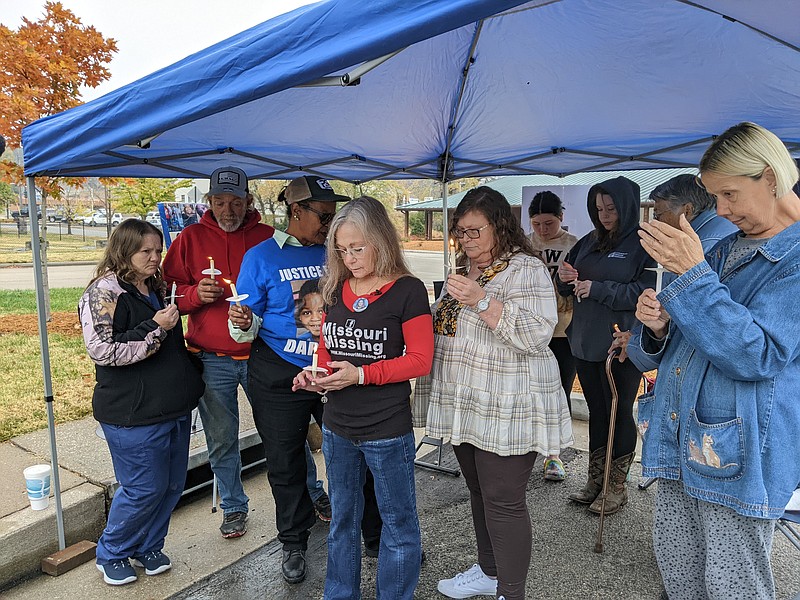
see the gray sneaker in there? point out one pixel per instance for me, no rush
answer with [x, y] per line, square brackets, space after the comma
[234, 525]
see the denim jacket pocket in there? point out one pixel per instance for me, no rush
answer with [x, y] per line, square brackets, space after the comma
[644, 412]
[715, 450]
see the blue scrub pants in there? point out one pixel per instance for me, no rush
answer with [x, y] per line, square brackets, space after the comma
[150, 464]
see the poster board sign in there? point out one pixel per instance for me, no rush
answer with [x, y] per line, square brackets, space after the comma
[176, 216]
[573, 197]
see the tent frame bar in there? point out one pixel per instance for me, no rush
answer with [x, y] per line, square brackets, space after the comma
[353, 77]
[386, 170]
[742, 23]
[41, 314]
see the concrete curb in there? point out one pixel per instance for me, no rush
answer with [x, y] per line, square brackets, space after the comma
[27, 536]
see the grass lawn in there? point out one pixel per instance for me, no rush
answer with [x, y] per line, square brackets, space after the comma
[22, 406]
[23, 302]
[63, 248]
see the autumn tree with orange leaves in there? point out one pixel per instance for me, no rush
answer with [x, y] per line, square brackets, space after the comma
[43, 65]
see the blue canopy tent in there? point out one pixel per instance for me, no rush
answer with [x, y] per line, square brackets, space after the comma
[444, 89]
[500, 87]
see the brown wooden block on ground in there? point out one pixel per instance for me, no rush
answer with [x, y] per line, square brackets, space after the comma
[70, 557]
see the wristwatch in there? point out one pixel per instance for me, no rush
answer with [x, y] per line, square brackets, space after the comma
[482, 304]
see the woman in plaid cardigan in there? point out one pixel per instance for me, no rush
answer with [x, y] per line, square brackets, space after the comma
[494, 389]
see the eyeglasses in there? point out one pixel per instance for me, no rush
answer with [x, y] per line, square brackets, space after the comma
[472, 234]
[354, 252]
[324, 217]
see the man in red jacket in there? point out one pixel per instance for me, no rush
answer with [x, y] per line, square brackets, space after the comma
[225, 232]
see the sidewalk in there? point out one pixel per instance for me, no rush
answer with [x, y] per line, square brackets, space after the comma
[205, 566]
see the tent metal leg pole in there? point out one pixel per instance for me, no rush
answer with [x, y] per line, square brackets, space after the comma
[445, 227]
[48, 384]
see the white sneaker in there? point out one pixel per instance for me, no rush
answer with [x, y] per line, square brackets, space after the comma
[472, 582]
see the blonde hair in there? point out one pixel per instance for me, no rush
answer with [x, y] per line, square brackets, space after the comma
[370, 218]
[746, 150]
[125, 241]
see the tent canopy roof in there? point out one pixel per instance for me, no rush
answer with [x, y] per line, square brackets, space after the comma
[502, 87]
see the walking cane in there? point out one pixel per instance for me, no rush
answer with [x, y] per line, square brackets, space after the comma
[598, 544]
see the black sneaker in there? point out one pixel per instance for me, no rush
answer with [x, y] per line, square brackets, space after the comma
[323, 507]
[234, 525]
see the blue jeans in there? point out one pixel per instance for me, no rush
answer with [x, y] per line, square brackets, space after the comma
[150, 464]
[392, 464]
[219, 412]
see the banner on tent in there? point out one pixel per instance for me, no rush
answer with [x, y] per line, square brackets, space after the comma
[175, 216]
[573, 198]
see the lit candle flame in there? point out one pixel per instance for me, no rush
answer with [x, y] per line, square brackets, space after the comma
[234, 293]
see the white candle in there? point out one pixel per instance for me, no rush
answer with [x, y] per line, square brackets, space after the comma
[234, 293]
[211, 267]
[659, 277]
[172, 295]
[452, 255]
[314, 361]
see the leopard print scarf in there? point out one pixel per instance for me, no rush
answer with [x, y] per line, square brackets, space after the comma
[446, 317]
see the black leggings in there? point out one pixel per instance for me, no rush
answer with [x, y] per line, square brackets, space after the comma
[497, 487]
[566, 365]
[597, 392]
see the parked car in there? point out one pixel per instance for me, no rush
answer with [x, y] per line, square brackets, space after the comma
[99, 218]
[24, 212]
[153, 218]
[56, 214]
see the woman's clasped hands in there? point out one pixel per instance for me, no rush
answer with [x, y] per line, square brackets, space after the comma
[569, 274]
[344, 374]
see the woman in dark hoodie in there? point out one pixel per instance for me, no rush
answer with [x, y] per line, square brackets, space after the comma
[605, 271]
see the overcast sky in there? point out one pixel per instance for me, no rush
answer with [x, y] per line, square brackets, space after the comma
[152, 34]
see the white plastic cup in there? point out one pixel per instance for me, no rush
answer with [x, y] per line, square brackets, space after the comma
[37, 482]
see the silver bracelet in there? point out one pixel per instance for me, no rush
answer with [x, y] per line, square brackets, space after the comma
[360, 376]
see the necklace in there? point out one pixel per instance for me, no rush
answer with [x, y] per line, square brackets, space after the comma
[357, 281]
[360, 304]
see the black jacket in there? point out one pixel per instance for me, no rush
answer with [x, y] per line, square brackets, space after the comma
[144, 374]
[618, 275]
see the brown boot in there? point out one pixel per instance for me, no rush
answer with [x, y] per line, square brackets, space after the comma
[594, 483]
[617, 489]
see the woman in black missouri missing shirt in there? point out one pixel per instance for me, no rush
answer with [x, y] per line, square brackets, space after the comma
[376, 336]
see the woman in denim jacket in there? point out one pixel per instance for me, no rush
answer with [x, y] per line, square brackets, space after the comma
[721, 431]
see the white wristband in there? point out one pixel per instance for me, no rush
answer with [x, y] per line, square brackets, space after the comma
[360, 376]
